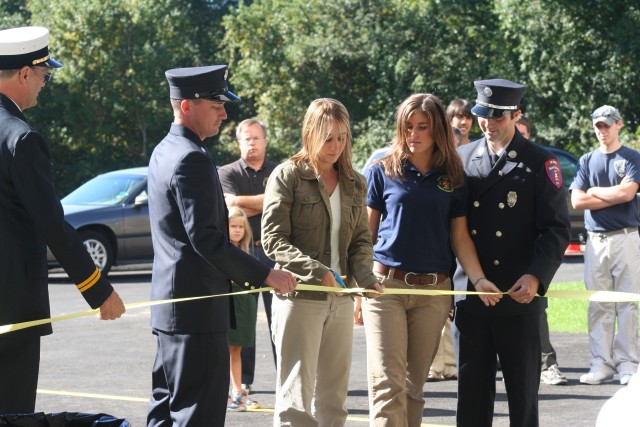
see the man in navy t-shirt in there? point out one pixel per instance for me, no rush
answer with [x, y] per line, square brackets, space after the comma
[605, 186]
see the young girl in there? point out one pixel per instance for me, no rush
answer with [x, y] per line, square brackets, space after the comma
[245, 309]
[417, 214]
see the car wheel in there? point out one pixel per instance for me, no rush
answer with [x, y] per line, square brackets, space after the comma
[99, 249]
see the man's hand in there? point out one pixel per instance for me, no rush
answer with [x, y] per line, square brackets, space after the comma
[112, 308]
[230, 199]
[378, 287]
[281, 280]
[484, 285]
[525, 289]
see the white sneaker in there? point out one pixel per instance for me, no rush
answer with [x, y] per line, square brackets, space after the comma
[595, 378]
[625, 378]
[552, 376]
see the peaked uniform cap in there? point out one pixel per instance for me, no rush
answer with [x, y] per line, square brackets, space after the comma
[209, 82]
[25, 46]
[496, 96]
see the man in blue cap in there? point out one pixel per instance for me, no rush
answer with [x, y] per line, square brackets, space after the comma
[193, 257]
[32, 218]
[519, 222]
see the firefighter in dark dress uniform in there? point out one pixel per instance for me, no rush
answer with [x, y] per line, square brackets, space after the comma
[519, 222]
[193, 257]
[31, 218]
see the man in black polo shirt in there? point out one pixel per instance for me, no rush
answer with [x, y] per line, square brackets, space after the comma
[243, 183]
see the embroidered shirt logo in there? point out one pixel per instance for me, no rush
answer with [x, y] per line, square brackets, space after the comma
[444, 183]
[620, 166]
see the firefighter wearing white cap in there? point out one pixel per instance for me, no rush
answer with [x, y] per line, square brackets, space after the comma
[31, 219]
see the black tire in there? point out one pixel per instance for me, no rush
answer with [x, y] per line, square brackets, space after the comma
[99, 249]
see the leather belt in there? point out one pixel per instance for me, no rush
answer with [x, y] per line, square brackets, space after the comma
[410, 278]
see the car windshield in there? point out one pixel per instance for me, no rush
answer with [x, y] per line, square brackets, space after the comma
[104, 190]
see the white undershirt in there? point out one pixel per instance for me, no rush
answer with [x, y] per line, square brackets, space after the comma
[336, 219]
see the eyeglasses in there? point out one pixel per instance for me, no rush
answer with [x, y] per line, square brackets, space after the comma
[47, 77]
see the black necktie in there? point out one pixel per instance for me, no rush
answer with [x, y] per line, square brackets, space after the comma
[493, 158]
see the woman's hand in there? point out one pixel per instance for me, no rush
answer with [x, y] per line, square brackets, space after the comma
[484, 285]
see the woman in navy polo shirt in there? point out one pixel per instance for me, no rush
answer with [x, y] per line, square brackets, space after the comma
[417, 202]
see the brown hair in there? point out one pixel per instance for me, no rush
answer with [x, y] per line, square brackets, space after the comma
[459, 106]
[322, 115]
[444, 153]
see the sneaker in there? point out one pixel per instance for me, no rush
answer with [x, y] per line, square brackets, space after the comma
[552, 376]
[234, 405]
[242, 399]
[625, 378]
[247, 388]
[595, 378]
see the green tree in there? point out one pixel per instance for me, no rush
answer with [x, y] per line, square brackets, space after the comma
[109, 105]
[369, 54]
[575, 57]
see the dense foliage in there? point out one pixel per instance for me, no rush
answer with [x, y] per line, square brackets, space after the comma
[108, 105]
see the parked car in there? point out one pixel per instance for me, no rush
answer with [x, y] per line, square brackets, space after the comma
[568, 164]
[112, 215]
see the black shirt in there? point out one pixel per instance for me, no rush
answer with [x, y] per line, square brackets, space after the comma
[242, 180]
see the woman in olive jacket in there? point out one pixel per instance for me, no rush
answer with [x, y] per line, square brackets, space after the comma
[314, 224]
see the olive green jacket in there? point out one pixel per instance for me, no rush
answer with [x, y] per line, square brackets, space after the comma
[296, 225]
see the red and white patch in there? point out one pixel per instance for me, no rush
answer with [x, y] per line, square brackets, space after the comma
[553, 172]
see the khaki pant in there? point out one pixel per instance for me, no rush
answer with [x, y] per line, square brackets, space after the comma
[402, 333]
[612, 263]
[313, 340]
[444, 364]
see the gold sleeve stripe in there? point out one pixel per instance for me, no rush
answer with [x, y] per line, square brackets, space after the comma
[92, 280]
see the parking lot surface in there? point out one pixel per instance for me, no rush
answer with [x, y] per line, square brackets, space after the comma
[104, 367]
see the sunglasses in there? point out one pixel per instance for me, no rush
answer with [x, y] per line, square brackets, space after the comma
[47, 77]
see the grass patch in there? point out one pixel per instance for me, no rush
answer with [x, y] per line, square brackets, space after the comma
[567, 315]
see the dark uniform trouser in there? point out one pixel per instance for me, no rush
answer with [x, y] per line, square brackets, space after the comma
[516, 341]
[19, 367]
[190, 380]
[248, 354]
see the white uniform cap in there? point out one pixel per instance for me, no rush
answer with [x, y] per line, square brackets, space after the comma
[25, 46]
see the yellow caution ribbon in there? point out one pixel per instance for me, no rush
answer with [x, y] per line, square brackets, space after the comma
[581, 295]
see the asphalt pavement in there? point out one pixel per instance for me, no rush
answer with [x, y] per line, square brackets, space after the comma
[104, 367]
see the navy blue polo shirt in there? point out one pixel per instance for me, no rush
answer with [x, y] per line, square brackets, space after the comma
[415, 227]
[598, 169]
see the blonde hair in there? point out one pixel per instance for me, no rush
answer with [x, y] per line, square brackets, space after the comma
[444, 153]
[322, 115]
[236, 212]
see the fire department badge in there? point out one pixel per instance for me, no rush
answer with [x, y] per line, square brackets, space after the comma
[620, 166]
[444, 183]
[512, 198]
[553, 172]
